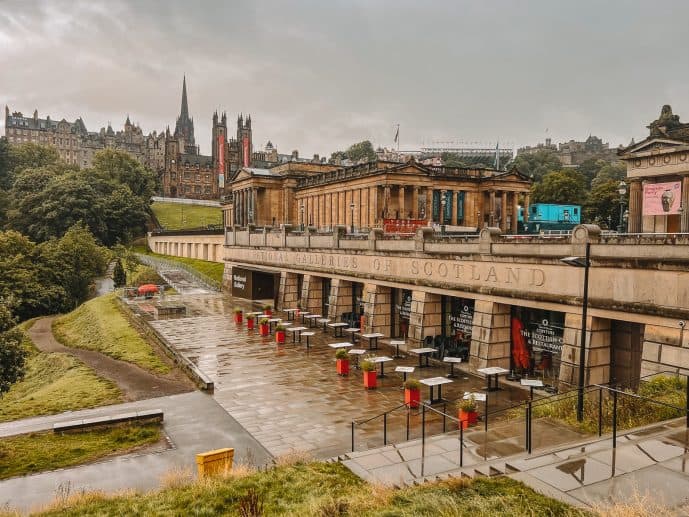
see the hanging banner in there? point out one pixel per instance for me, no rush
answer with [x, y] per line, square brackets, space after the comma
[245, 151]
[662, 198]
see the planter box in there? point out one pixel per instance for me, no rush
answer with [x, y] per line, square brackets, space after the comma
[343, 366]
[280, 337]
[412, 397]
[250, 324]
[264, 330]
[238, 318]
[268, 312]
[467, 418]
[370, 379]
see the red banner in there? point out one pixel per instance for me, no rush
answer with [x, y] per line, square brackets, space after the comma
[245, 151]
[403, 225]
[221, 154]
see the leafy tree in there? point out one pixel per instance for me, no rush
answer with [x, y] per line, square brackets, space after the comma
[537, 165]
[119, 277]
[610, 171]
[12, 353]
[30, 155]
[119, 166]
[452, 160]
[563, 187]
[361, 151]
[603, 204]
[5, 165]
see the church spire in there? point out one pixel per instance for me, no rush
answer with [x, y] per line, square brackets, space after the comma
[184, 112]
[185, 126]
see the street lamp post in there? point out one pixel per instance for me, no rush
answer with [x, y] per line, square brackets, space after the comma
[301, 211]
[585, 263]
[622, 190]
[351, 208]
[443, 201]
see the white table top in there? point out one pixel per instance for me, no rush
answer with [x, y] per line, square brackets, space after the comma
[308, 333]
[537, 383]
[435, 381]
[352, 329]
[303, 314]
[479, 397]
[357, 351]
[452, 359]
[372, 335]
[395, 342]
[313, 316]
[381, 359]
[296, 329]
[323, 320]
[338, 324]
[404, 369]
[253, 313]
[273, 320]
[290, 310]
[340, 345]
[422, 350]
[285, 323]
[493, 370]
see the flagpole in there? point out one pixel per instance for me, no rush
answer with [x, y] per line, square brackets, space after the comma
[398, 138]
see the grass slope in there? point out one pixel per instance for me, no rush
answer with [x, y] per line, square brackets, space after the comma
[99, 325]
[178, 216]
[54, 383]
[320, 489]
[26, 454]
[212, 270]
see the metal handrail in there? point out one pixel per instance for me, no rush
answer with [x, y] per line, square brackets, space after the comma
[379, 415]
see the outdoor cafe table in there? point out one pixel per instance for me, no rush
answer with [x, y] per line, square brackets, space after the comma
[303, 316]
[312, 318]
[492, 373]
[531, 383]
[271, 321]
[295, 331]
[356, 352]
[346, 344]
[324, 321]
[352, 331]
[432, 383]
[290, 313]
[421, 352]
[452, 361]
[404, 370]
[396, 343]
[382, 360]
[338, 326]
[373, 339]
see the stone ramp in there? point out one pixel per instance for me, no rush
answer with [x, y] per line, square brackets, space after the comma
[653, 460]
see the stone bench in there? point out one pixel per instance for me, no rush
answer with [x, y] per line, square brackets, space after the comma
[147, 416]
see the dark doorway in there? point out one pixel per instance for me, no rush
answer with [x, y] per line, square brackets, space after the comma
[325, 296]
[625, 360]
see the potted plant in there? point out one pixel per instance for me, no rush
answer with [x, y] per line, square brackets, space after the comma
[238, 315]
[467, 412]
[296, 314]
[342, 361]
[412, 392]
[280, 334]
[263, 327]
[369, 369]
[268, 310]
[250, 319]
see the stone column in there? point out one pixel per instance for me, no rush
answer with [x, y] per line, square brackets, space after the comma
[288, 297]
[415, 203]
[491, 209]
[453, 212]
[514, 220]
[429, 203]
[386, 201]
[597, 360]
[503, 212]
[425, 318]
[312, 294]
[490, 336]
[635, 206]
[684, 217]
[340, 299]
[402, 207]
[376, 309]
[527, 198]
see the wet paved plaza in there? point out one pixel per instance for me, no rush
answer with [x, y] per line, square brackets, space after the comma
[290, 398]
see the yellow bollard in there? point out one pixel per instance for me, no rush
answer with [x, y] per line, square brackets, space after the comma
[214, 462]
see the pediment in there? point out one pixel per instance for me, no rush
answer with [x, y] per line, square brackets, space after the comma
[653, 144]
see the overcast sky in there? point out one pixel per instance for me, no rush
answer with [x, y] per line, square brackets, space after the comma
[319, 75]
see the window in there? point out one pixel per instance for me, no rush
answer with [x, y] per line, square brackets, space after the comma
[197, 189]
[173, 176]
[207, 190]
[576, 210]
[198, 178]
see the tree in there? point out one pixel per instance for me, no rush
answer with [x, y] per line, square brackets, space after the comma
[537, 165]
[30, 155]
[361, 151]
[610, 171]
[560, 187]
[5, 165]
[603, 204]
[12, 353]
[119, 277]
[120, 167]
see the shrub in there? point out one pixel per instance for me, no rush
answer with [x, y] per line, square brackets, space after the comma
[341, 354]
[467, 405]
[267, 307]
[237, 310]
[263, 321]
[368, 365]
[280, 328]
[412, 384]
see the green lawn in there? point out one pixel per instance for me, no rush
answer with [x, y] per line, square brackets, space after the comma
[27, 453]
[212, 270]
[100, 325]
[322, 489]
[54, 383]
[174, 216]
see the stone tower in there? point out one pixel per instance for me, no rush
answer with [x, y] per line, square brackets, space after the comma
[184, 129]
[244, 140]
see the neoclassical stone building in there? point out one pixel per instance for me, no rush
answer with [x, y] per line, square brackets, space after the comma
[658, 177]
[364, 196]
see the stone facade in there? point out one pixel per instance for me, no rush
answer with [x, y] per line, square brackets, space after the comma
[573, 153]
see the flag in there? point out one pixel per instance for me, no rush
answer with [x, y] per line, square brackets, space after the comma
[397, 133]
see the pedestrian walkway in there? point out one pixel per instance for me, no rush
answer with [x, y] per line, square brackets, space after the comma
[194, 423]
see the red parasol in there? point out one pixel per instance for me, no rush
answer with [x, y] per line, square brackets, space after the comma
[147, 289]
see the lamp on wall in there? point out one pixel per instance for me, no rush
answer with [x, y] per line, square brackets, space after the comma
[443, 202]
[622, 190]
[351, 208]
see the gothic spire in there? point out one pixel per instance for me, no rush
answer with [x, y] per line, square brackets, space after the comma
[184, 112]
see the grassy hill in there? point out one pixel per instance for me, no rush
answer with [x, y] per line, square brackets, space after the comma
[174, 216]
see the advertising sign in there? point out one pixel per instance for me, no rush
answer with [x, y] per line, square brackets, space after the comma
[662, 198]
[245, 151]
[463, 320]
[543, 336]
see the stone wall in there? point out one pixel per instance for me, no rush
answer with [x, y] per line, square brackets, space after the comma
[490, 337]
